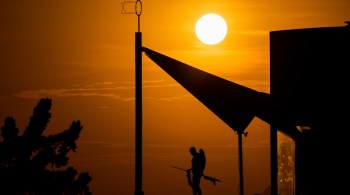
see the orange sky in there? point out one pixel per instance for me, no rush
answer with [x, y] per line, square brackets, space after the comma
[80, 53]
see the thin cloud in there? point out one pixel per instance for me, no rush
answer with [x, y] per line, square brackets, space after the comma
[62, 93]
[101, 89]
[123, 92]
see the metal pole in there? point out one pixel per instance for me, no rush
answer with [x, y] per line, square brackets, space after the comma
[138, 102]
[240, 152]
[138, 110]
[138, 95]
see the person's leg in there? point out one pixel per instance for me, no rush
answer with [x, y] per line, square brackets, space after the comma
[194, 192]
[194, 186]
[195, 183]
[199, 186]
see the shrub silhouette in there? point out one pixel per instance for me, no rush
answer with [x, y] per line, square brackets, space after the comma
[35, 164]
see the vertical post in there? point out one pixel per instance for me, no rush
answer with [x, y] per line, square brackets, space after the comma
[138, 111]
[240, 153]
[138, 102]
[138, 96]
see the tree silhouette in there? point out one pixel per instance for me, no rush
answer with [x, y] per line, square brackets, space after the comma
[35, 164]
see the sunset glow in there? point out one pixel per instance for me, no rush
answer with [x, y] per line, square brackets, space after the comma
[81, 54]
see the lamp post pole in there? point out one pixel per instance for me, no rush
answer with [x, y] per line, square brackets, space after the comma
[138, 99]
[138, 110]
[138, 104]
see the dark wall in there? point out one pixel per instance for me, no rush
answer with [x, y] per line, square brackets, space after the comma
[310, 80]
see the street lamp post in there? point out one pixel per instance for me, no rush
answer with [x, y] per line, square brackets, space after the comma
[138, 102]
[138, 96]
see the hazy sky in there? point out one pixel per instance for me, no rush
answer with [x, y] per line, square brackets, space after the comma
[80, 53]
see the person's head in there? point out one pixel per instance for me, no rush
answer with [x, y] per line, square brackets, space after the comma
[193, 150]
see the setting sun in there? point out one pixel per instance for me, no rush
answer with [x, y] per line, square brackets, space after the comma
[211, 29]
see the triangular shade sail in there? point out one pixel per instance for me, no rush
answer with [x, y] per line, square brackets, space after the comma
[235, 104]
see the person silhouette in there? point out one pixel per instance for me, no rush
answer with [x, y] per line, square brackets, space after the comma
[197, 170]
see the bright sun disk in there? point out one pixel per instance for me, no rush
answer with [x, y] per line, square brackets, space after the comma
[211, 29]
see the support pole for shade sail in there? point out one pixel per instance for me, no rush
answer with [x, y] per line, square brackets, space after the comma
[138, 102]
[138, 95]
[138, 111]
[240, 152]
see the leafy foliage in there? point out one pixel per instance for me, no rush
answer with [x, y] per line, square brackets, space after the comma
[35, 164]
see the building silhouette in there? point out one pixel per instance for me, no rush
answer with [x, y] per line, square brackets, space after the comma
[309, 80]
